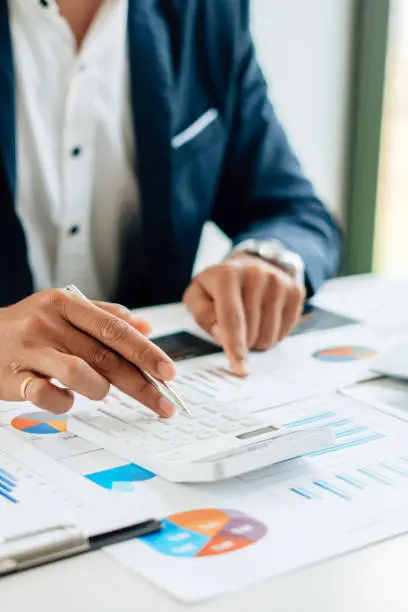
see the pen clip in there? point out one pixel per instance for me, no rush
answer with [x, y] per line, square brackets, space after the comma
[42, 546]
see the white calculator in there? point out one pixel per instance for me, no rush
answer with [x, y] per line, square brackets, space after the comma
[211, 443]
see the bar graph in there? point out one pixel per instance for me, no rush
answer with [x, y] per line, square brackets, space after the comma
[305, 493]
[351, 485]
[198, 386]
[8, 484]
[350, 480]
[348, 434]
[392, 467]
[322, 484]
[30, 482]
[375, 476]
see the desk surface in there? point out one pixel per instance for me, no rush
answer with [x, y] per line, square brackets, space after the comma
[372, 579]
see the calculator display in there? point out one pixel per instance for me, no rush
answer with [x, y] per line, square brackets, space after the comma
[257, 432]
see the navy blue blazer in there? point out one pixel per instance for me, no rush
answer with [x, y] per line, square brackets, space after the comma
[186, 56]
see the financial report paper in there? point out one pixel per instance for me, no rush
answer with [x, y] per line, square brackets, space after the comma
[301, 367]
[284, 517]
[37, 493]
[220, 537]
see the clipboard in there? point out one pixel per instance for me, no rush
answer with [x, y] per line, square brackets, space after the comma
[52, 544]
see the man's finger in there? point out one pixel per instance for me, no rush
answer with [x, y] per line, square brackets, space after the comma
[272, 312]
[43, 394]
[230, 317]
[292, 310]
[116, 334]
[119, 372]
[73, 372]
[253, 290]
[141, 325]
[201, 306]
[129, 380]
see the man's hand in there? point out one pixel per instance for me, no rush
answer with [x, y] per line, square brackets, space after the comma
[245, 303]
[86, 346]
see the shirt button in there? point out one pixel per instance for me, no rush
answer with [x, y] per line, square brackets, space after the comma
[76, 151]
[73, 230]
[45, 3]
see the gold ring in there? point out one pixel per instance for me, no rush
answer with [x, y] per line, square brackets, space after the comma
[23, 388]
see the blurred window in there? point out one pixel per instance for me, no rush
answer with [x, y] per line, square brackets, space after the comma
[391, 236]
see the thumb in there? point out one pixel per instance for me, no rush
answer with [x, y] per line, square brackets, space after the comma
[141, 325]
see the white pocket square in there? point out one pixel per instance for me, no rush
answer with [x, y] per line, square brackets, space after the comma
[195, 128]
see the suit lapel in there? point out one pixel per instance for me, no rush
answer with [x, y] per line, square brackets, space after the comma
[7, 101]
[152, 89]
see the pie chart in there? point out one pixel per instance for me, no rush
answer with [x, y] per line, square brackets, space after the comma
[205, 533]
[342, 354]
[40, 423]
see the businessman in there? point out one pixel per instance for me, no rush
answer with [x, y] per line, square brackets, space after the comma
[125, 125]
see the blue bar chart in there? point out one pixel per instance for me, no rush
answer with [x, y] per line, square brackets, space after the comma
[350, 485]
[348, 434]
[359, 466]
[201, 385]
[8, 484]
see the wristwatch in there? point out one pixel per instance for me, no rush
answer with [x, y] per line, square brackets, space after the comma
[275, 253]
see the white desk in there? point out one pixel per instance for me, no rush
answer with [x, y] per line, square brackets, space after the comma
[370, 580]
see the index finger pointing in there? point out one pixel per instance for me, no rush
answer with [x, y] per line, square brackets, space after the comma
[118, 335]
[230, 315]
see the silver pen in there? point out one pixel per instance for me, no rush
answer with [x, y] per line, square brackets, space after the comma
[163, 388]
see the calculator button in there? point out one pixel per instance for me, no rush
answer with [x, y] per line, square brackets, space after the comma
[207, 422]
[210, 409]
[182, 440]
[138, 440]
[163, 435]
[250, 423]
[231, 416]
[189, 428]
[86, 416]
[152, 448]
[122, 432]
[153, 426]
[229, 428]
[121, 414]
[205, 435]
[158, 449]
[187, 416]
[105, 423]
[146, 426]
[174, 456]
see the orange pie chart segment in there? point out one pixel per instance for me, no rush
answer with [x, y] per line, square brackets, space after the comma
[207, 522]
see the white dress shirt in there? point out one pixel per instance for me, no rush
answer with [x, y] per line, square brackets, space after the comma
[76, 187]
